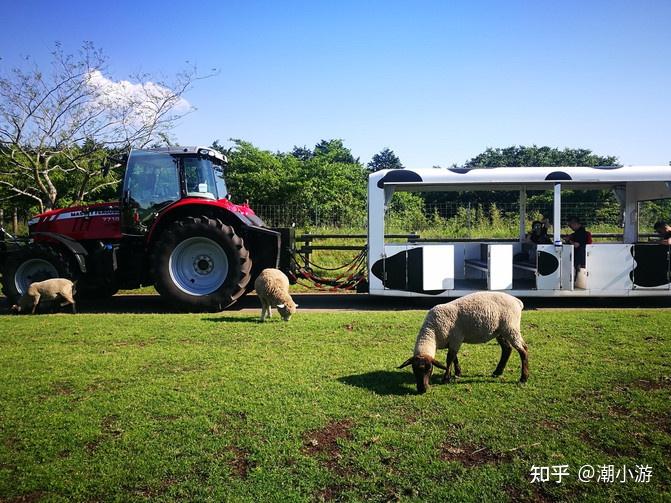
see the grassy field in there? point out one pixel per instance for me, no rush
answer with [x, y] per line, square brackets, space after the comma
[219, 407]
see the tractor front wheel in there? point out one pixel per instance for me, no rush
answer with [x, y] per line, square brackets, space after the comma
[201, 264]
[36, 262]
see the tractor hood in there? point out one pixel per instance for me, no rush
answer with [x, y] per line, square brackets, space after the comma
[98, 221]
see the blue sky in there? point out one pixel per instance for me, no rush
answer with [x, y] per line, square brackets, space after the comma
[436, 81]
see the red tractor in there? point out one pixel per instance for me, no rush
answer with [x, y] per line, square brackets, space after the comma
[173, 228]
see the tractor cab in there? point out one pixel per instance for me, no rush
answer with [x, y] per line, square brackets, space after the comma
[157, 178]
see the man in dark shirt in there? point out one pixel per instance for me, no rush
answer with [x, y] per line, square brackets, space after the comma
[579, 239]
[664, 231]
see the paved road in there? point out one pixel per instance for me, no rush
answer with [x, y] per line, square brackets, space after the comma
[325, 302]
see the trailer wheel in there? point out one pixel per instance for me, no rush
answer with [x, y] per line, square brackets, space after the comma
[36, 262]
[201, 264]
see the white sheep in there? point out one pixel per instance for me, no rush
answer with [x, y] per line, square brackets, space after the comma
[475, 318]
[51, 289]
[272, 288]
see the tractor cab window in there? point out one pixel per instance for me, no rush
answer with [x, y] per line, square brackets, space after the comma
[222, 190]
[151, 183]
[199, 177]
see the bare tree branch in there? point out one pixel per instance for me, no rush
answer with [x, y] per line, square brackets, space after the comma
[54, 124]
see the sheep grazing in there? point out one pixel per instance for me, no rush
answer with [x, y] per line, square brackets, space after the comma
[474, 319]
[272, 288]
[58, 289]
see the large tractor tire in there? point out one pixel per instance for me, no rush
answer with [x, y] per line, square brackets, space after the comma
[36, 262]
[201, 264]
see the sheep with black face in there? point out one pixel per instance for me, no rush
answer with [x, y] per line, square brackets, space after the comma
[473, 319]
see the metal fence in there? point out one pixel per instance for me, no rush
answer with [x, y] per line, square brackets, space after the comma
[468, 215]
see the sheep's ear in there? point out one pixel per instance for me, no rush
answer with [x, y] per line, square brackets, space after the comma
[296, 305]
[438, 364]
[280, 306]
[407, 362]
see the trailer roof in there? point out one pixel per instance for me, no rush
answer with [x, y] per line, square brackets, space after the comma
[424, 179]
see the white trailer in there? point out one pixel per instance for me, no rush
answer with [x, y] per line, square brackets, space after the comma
[629, 267]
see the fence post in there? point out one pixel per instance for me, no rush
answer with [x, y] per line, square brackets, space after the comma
[15, 221]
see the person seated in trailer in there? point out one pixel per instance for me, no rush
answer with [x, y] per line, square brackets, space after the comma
[538, 234]
[664, 231]
[580, 238]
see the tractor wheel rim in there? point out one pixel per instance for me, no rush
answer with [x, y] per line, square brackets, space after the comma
[198, 266]
[32, 270]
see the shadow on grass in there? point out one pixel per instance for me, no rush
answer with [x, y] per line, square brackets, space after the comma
[383, 382]
[234, 319]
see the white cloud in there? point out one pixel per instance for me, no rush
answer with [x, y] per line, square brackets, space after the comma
[143, 96]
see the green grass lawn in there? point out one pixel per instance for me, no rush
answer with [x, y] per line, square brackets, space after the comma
[219, 407]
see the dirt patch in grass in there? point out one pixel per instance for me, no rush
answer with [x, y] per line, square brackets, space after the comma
[323, 444]
[240, 464]
[25, 498]
[110, 428]
[663, 382]
[150, 493]
[63, 388]
[618, 410]
[549, 425]
[470, 455]
[615, 451]
[534, 496]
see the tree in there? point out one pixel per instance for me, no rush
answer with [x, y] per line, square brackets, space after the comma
[538, 156]
[386, 159]
[307, 181]
[302, 153]
[520, 156]
[57, 127]
[334, 151]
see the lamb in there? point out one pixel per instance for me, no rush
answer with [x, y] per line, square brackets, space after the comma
[51, 289]
[272, 288]
[474, 319]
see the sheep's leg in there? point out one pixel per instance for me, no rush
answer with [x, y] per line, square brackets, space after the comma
[36, 301]
[451, 358]
[506, 349]
[524, 357]
[263, 309]
[517, 342]
[457, 368]
[69, 300]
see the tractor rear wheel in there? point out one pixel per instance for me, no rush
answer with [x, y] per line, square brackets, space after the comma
[36, 262]
[201, 264]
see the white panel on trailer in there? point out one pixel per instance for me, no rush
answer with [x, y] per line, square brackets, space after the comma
[500, 267]
[609, 266]
[438, 267]
[567, 271]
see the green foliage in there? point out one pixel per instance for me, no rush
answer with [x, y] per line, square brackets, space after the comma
[538, 156]
[334, 151]
[386, 159]
[328, 178]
